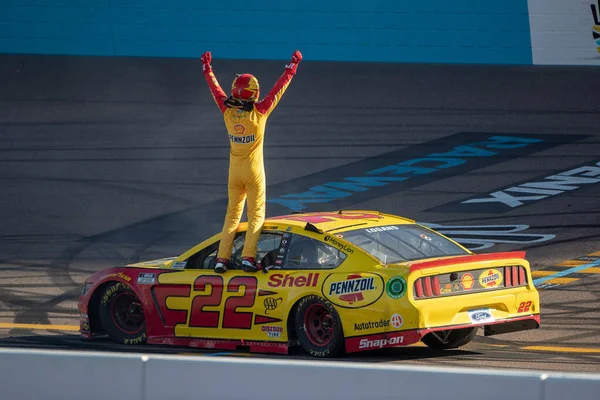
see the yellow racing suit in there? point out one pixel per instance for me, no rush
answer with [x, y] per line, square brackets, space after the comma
[246, 130]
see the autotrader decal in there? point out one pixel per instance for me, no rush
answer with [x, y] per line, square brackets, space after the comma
[525, 193]
[382, 323]
[408, 167]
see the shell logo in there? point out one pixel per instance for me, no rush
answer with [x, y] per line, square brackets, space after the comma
[467, 281]
[490, 278]
[239, 129]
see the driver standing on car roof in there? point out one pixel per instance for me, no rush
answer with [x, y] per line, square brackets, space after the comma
[245, 119]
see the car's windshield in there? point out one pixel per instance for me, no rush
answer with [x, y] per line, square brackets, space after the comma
[396, 243]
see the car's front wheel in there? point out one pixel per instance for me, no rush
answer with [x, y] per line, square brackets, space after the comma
[319, 328]
[449, 339]
[121, 314]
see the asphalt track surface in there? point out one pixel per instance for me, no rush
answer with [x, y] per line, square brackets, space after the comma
[109, 161]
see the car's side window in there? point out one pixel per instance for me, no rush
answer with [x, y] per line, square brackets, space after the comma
[203, 257]
[207, 257]
[209, 261]
[307, 253]
[266, 249]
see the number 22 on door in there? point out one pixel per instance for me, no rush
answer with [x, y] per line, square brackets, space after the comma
[218, 305]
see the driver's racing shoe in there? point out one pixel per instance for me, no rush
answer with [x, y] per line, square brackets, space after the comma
[249, 265]
[221, 265]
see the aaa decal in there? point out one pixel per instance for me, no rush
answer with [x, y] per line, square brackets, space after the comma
[490, 278]
[271, 303]
[354, 290]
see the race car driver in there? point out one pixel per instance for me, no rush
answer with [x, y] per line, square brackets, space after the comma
[245, 119]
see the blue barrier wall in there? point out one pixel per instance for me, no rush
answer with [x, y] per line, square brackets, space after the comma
[457, 31]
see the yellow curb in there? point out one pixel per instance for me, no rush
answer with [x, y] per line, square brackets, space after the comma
[10, 325]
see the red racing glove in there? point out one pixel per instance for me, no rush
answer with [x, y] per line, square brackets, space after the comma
[296, 58]
[206, 59]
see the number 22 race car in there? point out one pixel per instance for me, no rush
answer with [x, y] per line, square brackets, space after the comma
[332, 283]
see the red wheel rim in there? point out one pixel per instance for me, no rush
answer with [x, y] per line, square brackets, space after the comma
[318, 324]
[126, 312]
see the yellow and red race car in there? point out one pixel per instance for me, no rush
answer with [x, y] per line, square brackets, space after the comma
[332, 283]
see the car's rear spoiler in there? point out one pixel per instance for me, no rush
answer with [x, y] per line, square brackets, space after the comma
[467, 259]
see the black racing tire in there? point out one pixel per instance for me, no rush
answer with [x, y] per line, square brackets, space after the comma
[121, 314]
[456, 338]
[319, 328]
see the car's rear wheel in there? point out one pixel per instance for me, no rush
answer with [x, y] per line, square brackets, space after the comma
[319, 328]
[121, 314]
[449, 339]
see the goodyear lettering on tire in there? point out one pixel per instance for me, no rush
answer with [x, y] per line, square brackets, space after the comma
[112, 290]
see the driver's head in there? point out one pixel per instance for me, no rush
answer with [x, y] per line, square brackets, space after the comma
[303, 252]
[245, 87]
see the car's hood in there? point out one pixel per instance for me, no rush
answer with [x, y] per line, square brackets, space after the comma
[158, 263]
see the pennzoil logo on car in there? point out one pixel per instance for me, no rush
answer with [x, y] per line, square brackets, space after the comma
[354, 290]
[490, 278]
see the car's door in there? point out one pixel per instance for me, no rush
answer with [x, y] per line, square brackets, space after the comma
[300, 268]
[198, 302]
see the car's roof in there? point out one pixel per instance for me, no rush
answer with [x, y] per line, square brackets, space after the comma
[340, 221]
